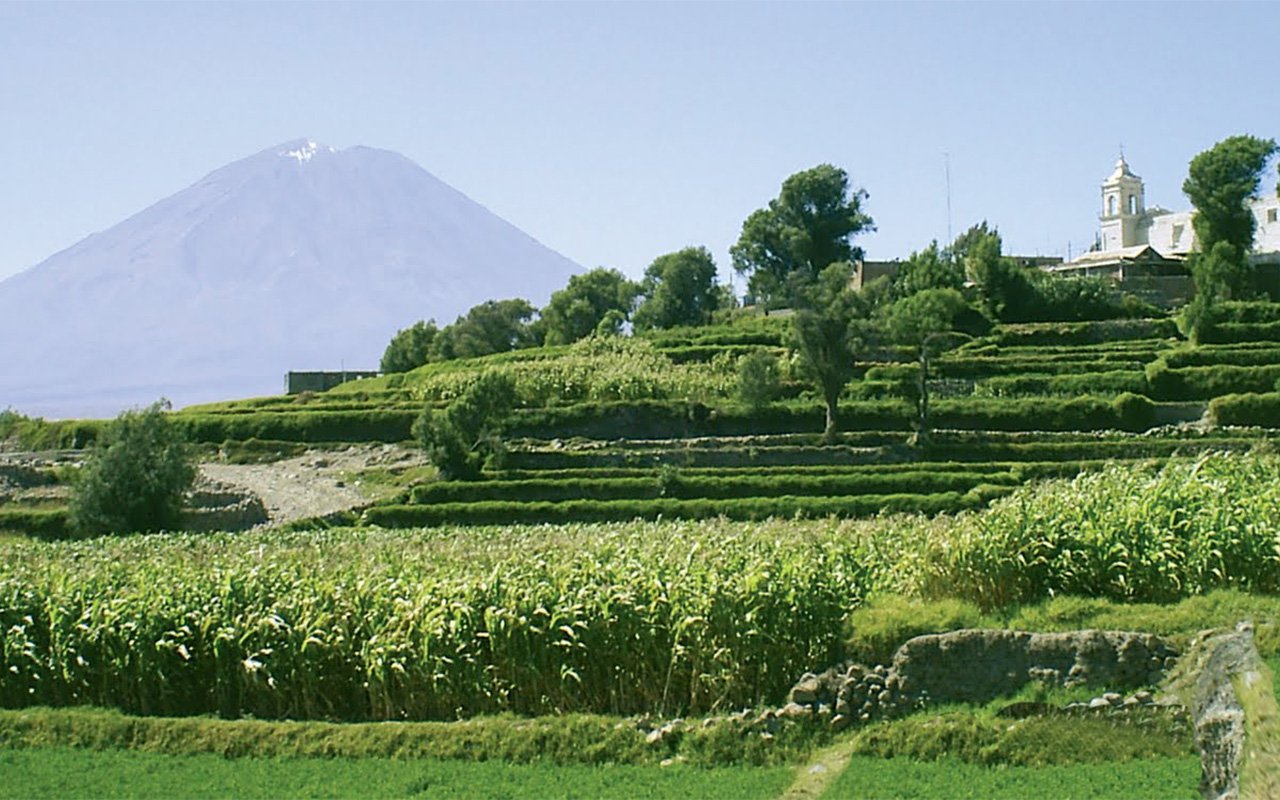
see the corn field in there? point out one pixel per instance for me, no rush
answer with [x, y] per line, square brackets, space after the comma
[418, 625]
[669, 618]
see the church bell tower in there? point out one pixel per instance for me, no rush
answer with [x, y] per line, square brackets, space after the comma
[1123, 206]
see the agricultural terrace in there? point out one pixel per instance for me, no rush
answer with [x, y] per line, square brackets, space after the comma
[649, 546]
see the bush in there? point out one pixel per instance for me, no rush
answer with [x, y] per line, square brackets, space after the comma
[758, 382]
[136, 476]
[676, 485]
[503, 512]
[1121, 380]
[462, 438]
[363, 425]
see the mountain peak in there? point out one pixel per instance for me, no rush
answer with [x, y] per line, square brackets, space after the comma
[303, 149]
[258, 268]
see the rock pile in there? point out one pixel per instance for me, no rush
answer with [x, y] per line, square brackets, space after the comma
[977, 666]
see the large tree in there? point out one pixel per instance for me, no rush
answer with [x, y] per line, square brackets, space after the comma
[494, 326]
[826, 334]
[577, 310]
[930, 268]
[1220, 181]
[678, 289]
[410, 348]
[809, 226]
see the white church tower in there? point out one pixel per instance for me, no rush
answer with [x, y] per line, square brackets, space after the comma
[1123, 208]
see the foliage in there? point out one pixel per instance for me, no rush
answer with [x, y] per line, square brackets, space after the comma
[1261, 409]
[136, 476]
[678, 289]
[917, 317]
[359, 625]
[826, 334]
[1219, 183]
[409, 348]
[785, 246]
[929, 269]
[494, 326]
[758, 380]
[466, 435]
[1125, 534]
[577, 310]
[1013, 293]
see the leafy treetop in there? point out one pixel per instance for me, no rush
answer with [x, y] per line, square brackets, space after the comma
[577, 310]
[783, 247]
[679, 289]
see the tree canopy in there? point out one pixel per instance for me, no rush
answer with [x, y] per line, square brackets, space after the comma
[930, 268]
[410, 348]
[679, 289]
[809, 226]
[494, 326]
[577, 310]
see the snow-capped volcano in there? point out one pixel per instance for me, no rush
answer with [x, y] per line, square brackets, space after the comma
[299, 257]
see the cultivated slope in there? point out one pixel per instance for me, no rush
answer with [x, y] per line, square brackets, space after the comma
[299, 257]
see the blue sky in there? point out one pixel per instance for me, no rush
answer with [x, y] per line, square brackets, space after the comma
[615, 132]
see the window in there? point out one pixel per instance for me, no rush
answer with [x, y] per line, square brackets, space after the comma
[1133, 204]
[1111, 205]
[1177, 234]
[1271, 214]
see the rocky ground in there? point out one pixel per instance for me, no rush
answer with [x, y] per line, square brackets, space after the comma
[237, 496]
[315, 484]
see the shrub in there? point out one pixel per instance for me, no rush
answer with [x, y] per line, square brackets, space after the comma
[136, 476]
[462, 438]
[758, 382]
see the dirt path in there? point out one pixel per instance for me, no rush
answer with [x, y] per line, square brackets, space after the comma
[317, 483]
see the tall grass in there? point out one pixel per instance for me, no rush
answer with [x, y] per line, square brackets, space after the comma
[381, 625]
[1149, 535]
[627, 618]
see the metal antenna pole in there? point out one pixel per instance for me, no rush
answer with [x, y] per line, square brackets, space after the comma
[947, 161]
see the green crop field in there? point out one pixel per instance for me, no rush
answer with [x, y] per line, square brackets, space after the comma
[648, 545]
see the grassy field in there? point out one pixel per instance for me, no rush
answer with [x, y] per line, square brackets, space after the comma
[67, 773]
[59, 773]
[1161, 779]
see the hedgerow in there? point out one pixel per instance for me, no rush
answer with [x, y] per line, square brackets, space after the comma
[498, 512]
[1261, 409]
[1204, 383]
[1117, 381]
[693, 486]
[1069, 333]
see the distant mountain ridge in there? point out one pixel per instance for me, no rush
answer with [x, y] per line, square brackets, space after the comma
[298, 257]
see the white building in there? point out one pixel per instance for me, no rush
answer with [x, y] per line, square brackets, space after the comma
[1145, 248]
[1127, 222]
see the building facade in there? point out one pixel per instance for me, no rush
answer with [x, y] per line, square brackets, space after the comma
[1126, 221]
[1145, 247]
